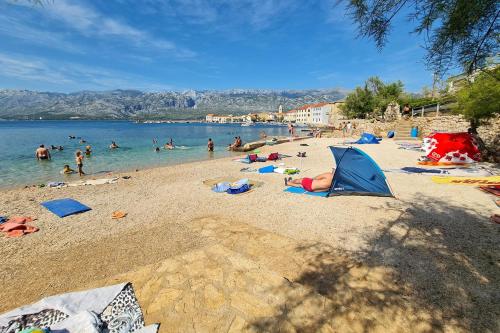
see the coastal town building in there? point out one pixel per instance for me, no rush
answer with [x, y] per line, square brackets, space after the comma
[336, 114]
[457, 82]
[320, 114]
[290, 116]
[222, 119]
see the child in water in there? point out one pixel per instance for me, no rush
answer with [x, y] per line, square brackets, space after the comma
[88, 150]
[79, 162]
[67, 170]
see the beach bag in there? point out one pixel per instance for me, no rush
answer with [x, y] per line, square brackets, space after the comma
[252, 157]
[242, 189]
[273, 157]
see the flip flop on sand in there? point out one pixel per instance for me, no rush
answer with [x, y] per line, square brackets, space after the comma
[118, 215]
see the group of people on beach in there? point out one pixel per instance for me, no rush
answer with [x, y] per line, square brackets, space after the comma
[43, 153]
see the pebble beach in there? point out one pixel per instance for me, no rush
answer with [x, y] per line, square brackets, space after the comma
[426, 260]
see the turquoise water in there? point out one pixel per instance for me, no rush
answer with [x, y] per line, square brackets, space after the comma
[19, 140]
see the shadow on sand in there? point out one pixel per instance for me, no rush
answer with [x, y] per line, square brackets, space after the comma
[436, 268]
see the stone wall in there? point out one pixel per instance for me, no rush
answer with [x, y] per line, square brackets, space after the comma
[489, 133]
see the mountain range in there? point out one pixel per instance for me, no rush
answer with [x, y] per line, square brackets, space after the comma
[134, 104]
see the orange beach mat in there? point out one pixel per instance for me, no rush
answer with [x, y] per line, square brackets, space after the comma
[484, 181]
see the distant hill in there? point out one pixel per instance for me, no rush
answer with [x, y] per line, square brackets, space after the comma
[133, 104]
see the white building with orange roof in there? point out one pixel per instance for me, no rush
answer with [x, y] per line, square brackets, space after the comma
[209, 118]
[316, 114]
[290, 116]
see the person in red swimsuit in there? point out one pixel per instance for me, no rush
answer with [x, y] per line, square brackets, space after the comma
[319, 183]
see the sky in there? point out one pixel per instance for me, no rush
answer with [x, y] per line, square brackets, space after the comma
[155, 45]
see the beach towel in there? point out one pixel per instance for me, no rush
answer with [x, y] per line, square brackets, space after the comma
[267, 169]
[65, 207]
[17, 226]
[221, 187]
[248, 170]
[485, 181]
[114, 307]
[299, 190]
[286, 171]
[56, 184]
[432, 163]
[100, 181]
[495, 189]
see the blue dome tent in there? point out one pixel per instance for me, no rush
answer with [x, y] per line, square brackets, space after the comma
[367, 138]
[357, 174]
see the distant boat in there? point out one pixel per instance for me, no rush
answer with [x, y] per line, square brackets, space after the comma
[248, 123]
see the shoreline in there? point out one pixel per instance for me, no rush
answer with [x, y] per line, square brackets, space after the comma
[121, 172]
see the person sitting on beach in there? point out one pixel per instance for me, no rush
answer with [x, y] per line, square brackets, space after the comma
[42, 153]
[88, 150]
[113, 145]
[234, 144]
[320, 183]
[210, 145]
[67, 170]
[79, 162]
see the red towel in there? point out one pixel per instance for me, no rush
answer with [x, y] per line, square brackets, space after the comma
[17, 226]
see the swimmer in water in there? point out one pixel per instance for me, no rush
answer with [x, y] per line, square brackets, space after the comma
[113, 145]
[88, 150]
[210, 145]
[67, 170]
[157, 149]
[42, 153]
[170, 144]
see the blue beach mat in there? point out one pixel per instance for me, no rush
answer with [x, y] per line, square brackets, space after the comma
[298, 190]
[65, 207]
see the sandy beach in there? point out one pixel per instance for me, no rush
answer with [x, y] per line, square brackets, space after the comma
[427, 260]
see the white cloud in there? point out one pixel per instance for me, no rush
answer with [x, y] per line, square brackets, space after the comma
[17, 29]
[68, 75]
[90, 23]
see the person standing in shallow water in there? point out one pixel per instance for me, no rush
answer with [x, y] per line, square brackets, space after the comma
[79, 162]
[42, 153]
[210, 145]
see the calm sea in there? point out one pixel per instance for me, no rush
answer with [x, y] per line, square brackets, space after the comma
[19, 140]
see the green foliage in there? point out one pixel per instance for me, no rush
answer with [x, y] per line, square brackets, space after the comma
[457, 32]
[358, 104]
[372, 99]
[480, 100]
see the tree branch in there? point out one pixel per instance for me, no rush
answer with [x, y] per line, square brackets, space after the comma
[474, 59]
